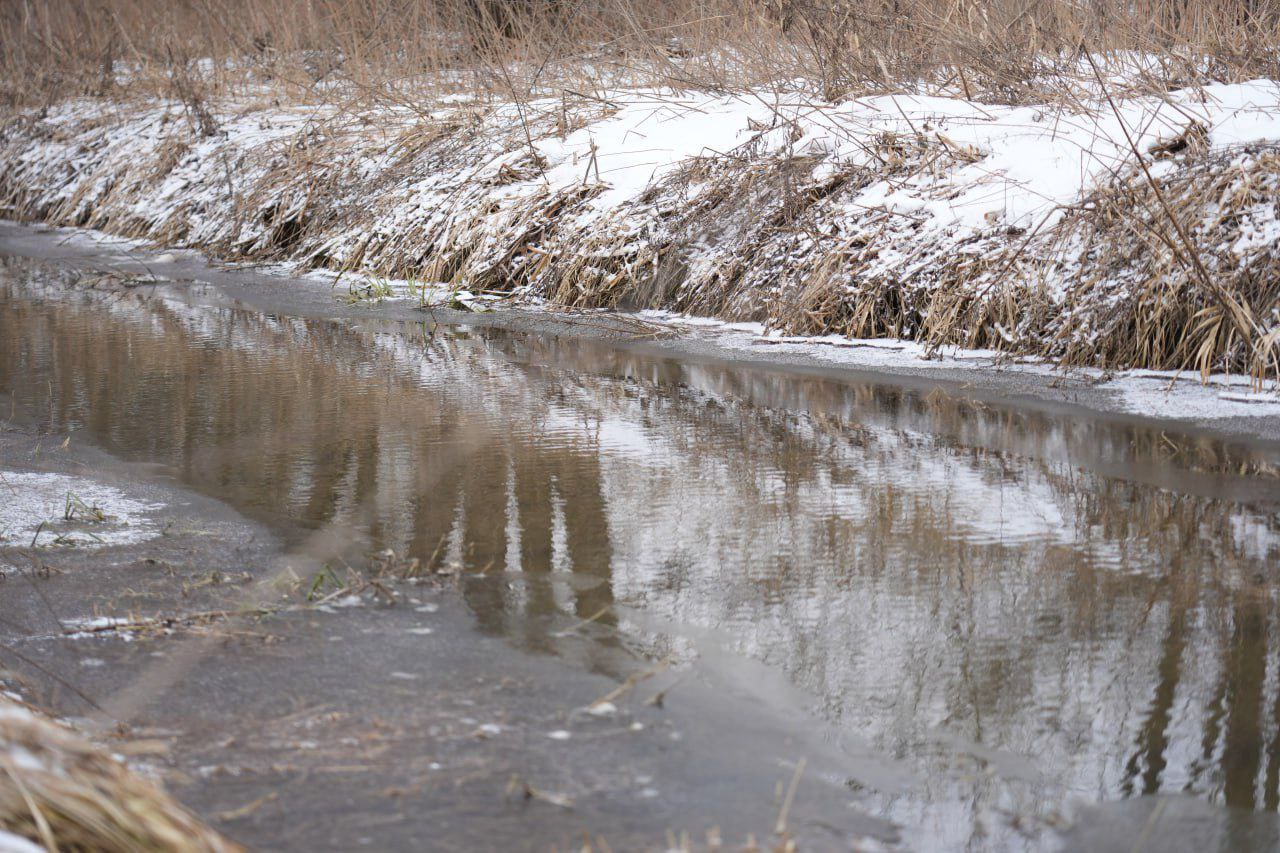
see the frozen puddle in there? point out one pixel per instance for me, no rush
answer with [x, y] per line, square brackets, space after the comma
[62, 510]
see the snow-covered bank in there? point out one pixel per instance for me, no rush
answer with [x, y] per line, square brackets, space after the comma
[1113, 232]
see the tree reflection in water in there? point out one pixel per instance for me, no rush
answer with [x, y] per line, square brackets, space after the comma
[1097, 598]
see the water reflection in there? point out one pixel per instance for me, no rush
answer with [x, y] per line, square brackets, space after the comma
[1026, 608]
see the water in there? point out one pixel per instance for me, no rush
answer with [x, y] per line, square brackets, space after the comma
[1012, 610]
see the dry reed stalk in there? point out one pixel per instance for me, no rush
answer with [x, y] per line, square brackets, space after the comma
[64, 793]
[383, 51]
[1141, 305]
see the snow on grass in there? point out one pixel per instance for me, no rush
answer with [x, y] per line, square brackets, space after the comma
[1016, 166]
[648, 137]
[904, 215]
[1027, 161]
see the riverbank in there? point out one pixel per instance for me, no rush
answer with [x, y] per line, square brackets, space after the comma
[644, 424]
[1119, 228]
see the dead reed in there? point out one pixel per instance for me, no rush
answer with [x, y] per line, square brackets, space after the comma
[63, 792]
[1202, 296]
[390, 51]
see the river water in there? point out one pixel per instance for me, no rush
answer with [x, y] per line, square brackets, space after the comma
[1000, 615]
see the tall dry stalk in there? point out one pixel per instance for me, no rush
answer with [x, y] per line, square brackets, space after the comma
[1003, 49]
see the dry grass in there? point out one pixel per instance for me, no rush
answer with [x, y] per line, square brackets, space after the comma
[1151, 278]
[394, 51]
[1153, 295]
[63, 792]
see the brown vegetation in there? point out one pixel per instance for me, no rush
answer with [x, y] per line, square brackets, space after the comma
[58, 789]
[390, 49]
[1153, 289]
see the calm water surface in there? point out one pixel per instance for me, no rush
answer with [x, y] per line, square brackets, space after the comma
[1018, 609]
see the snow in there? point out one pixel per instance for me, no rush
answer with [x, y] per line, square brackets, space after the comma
[1017, 165]
[10, 843]
[650, 135]
[36, 504]
[94, 623]
[1029, 160]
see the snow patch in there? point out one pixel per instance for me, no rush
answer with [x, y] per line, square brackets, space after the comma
[63, 510]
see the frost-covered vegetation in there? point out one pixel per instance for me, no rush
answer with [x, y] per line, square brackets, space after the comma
[1094, 184]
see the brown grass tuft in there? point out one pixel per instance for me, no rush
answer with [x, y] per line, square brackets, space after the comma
[1146, 298]
[64, 793]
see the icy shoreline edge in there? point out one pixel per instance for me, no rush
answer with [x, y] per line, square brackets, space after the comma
[917, 223]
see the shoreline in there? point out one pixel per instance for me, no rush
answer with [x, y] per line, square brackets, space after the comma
[194, 652]
[1036, 387]
[1124, 229]
[353, 653]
